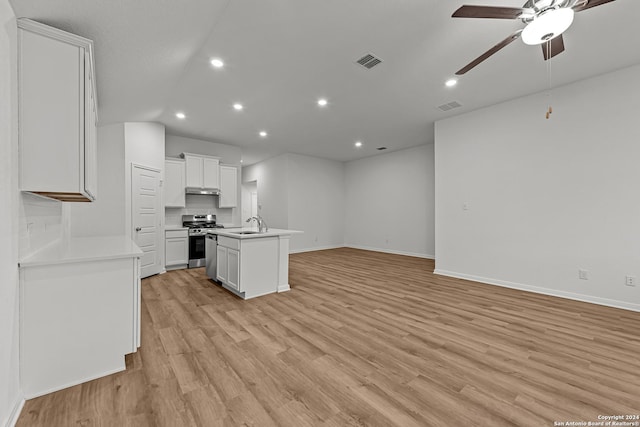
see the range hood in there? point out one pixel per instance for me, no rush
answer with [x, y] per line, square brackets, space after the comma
[206, 191]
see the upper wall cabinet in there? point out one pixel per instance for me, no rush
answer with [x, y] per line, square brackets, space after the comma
[57, 113]
[228, 187]
[202, 172]
[174, 183]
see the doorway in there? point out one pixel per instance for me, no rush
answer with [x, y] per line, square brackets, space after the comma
[250, 205]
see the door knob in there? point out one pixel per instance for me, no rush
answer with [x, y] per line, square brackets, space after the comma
[138, 228]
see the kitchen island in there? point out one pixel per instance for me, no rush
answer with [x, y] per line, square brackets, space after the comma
[250, 263]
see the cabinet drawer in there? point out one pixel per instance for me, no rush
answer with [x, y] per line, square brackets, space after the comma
[170, 234]
[228, 242]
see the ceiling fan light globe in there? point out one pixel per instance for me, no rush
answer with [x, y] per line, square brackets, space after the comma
[548, 26]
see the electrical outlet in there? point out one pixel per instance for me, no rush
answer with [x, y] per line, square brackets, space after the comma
[465, 206]
[583, 274]
[630, 280]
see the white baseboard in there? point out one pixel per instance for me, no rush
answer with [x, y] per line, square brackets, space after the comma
[392, 251]
[544, 291]
[284, 288]
[81, 381]
[317, 248]
[15, 413]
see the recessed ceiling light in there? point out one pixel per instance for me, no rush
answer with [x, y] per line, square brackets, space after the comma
[358, 144]
[322, 102]
[180, 115]
[217, 63]
[263, 134]
[451, 83]
[238, 107]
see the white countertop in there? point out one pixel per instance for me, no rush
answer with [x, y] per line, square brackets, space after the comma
[175, 227]
[232, 232]
[83, 249]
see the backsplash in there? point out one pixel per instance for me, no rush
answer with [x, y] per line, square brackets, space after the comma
[41, 223]
[199, 204]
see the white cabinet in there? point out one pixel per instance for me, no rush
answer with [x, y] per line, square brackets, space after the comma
[221, 261]
[249, 267]
[228, 187]
[210, 172]
[174, 183]
[77, 321]
[233, 268]
[57, 113]
[195, 165]
[176, 249]
[202, 171]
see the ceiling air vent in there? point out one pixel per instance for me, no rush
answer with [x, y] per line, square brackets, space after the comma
[381, 148]
[450, 106]
[369, 61]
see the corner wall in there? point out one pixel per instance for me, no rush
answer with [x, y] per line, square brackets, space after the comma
[271, 176]
[11, 398]
[316, 202]
[389, 202]
[525, 202]
[301, 193]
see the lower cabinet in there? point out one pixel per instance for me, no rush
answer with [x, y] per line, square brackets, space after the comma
[248, 267]
[233, 269]
[176, 249]
[77, 321]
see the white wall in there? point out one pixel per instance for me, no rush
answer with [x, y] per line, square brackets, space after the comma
[144, 145]
[10, 393]
[390, 202]
[271, 177]
[301, 193]
[105, 216]
[228, 154]
[545, 197]
[316, 202]
[248, 189]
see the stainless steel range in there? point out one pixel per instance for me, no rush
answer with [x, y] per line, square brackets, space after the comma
[198, 225]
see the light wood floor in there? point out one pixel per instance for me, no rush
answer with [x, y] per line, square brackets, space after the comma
[362, 339]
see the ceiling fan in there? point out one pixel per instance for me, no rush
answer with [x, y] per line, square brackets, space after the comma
[545, 21]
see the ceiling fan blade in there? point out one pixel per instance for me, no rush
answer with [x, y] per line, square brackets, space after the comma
[553, 47]
[467, 11]
[488, 53]
[584, 5]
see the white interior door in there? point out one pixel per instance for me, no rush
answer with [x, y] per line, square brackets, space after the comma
[146, 222]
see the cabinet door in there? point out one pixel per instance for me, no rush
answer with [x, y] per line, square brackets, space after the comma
[221, 260]
[57, 113]
[91, 139]
[176, 251]
[211, 174]
[174, 184]
[233, 268]
[228, 187]
[194, 171]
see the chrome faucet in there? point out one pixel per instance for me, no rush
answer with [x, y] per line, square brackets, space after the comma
[262, 225]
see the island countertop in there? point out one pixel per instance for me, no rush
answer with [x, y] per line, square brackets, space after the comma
[251, 232]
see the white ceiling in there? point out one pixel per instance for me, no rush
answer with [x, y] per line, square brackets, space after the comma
[152, 60]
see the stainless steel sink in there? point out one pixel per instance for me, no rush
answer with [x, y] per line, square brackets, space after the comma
[244, 232]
